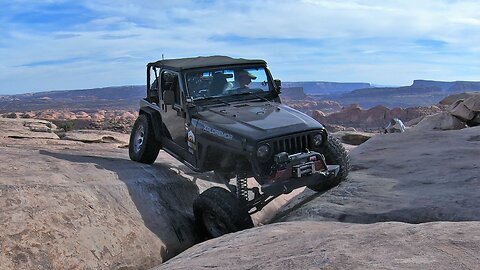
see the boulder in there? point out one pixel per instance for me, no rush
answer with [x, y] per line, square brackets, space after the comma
[455, 97]
[333, 245]
[459, 110]
[26, 128]
[377, 117]
[353, 137]
[439, 121]
[412, 177]
[318, 115]
[473, 103]
[414, 122]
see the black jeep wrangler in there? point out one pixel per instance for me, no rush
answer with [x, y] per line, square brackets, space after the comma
[224, 115]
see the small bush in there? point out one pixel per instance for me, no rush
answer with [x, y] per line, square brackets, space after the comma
[66, 125]
[10, 115]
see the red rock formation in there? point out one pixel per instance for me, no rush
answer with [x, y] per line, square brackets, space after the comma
[374, 118]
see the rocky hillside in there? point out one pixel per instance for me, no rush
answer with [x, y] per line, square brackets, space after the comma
[375, 118]
[121, 97]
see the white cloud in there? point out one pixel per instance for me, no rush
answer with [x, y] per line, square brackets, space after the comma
[385, 42]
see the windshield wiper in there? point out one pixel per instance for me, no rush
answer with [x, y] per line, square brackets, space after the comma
[213, 98]
[251, 93]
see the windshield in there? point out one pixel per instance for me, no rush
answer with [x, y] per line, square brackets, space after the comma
[224, 82]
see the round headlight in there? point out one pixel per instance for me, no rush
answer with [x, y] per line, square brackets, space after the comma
[263, 152]
[317, 139]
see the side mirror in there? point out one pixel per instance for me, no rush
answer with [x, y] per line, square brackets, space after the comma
[278, 85]
[168, 97]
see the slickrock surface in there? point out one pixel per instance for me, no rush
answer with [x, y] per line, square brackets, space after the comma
[427, 177]
[66, 204]
[334, 245]
[415, 176]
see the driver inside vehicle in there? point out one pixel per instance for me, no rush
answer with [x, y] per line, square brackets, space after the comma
[242, 79]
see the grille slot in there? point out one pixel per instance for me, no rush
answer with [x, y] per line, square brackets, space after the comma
[292, 144]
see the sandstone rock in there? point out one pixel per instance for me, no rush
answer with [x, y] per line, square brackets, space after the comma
[90, 207]
[415, 121]
[459, 110]
[27, 129]
[354, 106]
[82, 115]
[333, 245]
[335, 128]
[377, 117]
[353, 137]
[308, 106]
[439, 121]
[96, 136]
[71, 205]
[129, 116]
[473, 103]
[28, 115]
[411, 177]
[455, 97]
[98, 117]
[318, 115]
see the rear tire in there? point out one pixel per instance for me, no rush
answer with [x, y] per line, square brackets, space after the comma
[143, 146]
[218, 212]
[335, 154]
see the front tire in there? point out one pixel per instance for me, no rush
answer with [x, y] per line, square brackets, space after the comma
[218, 212]
[335, 154]
[143, 146]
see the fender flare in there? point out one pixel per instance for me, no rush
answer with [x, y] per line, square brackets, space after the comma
[155, 120]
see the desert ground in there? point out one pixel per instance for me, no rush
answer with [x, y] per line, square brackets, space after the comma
[74, 200]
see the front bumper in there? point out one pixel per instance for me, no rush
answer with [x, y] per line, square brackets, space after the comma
[299, 170]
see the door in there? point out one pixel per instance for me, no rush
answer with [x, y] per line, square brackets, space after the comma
[173, 116]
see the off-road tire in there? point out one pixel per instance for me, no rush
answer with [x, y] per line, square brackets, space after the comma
[218, 212]
[143, 146]
[335, 154]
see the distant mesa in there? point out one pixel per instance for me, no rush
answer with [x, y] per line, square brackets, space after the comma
[119, 97]
[456, 86]
[324, 88]
[420, 93]
[295, 93]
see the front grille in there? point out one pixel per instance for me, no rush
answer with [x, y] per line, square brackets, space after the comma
[292, 144]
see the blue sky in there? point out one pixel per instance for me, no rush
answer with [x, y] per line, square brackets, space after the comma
[60, 45]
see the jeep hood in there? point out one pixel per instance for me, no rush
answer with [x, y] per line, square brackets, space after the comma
[257, 120]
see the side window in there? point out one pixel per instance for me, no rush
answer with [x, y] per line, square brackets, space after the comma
[169, 82]
[153, 95]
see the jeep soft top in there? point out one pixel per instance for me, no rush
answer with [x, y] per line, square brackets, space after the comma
[204, 62]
